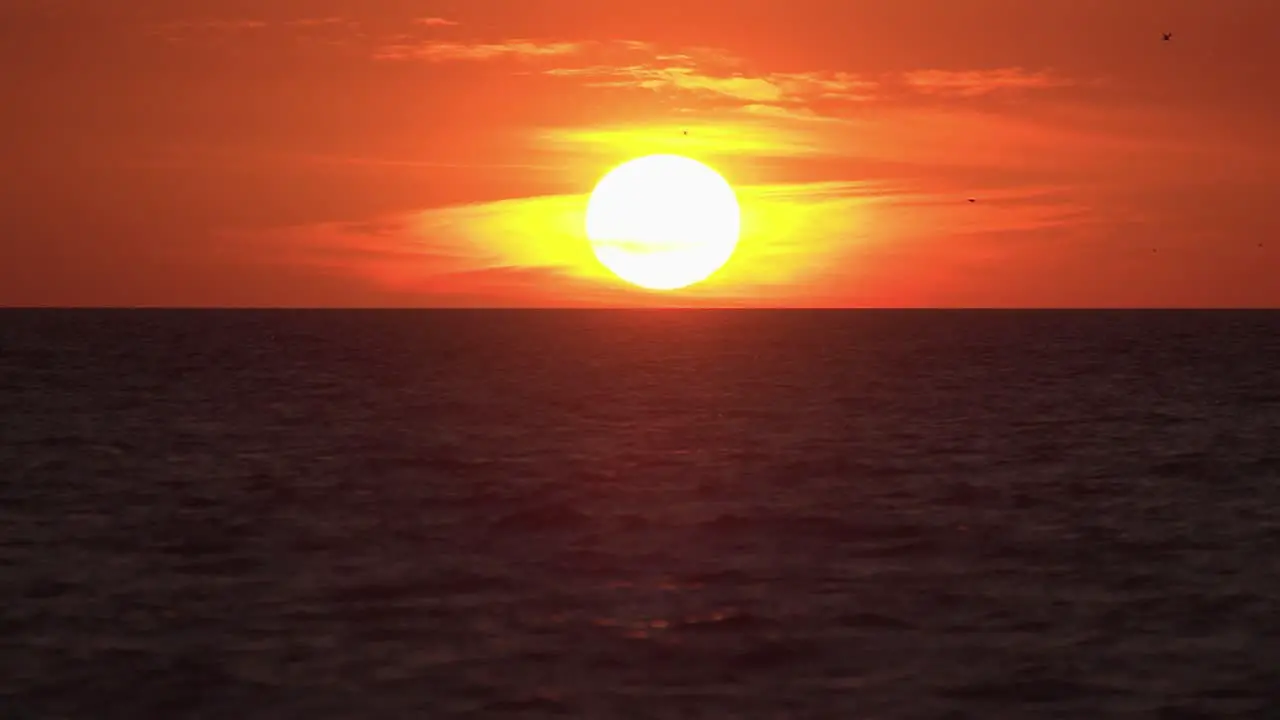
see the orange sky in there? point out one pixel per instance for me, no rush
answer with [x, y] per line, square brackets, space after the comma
[438, 153]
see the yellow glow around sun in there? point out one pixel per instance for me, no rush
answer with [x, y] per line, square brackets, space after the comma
[663, 221]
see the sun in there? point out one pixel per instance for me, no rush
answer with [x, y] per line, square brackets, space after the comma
[663, 222]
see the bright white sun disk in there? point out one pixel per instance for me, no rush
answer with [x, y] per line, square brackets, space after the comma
[663, 221]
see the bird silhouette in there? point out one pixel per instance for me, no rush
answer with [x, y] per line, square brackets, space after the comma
[973, 199]
[1167, 36]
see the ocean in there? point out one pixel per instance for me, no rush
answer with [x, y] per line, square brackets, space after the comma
[639, 514]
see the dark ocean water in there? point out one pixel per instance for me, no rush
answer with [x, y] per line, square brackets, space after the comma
[639, 514]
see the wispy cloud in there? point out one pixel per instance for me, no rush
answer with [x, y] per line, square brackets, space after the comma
[780, 112]
[435, 51]
[974, 83]
[740, 136]
[751, 89]
[435, 22]
[719, 76]
[827, 85]
[774, 89]
[714, 74]
[707, 72]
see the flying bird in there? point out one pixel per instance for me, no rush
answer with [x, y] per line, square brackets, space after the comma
[973, 199]
[1167, 36]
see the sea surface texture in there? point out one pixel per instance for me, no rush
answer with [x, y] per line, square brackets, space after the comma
[653, 514]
